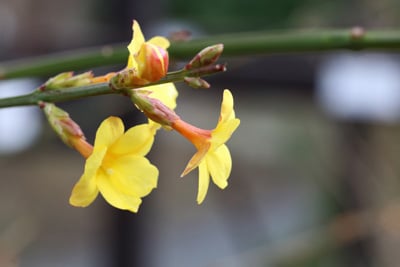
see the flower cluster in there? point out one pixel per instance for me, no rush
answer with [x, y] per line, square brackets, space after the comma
[116, 165]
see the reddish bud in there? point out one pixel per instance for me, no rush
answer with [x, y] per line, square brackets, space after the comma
[153, 108]
[153, 63]
[206, 57]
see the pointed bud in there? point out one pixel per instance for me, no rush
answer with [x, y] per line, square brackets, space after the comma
[153, 62]
[153, 108]
[152, 66]
[206, 57]
[68, 130]
[67, 79]
[196, 82]
[55, 81]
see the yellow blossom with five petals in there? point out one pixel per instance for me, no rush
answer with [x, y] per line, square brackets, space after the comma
[117, 167]
[213, 157]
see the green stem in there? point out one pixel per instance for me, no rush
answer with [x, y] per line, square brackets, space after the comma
[237, 44]
[71, 93]
[252, 43]
[55, 63]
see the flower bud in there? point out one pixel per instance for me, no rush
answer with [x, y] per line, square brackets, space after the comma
[206, 57]
[153, 108]
[55, 81]
[68, 130]
[196, 82]
[152, 65]
[153, 62]
[67, 79]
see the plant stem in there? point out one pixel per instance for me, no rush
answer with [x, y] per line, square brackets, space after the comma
[237, 44]
[71, 93]
[252, 43]
[51, 64]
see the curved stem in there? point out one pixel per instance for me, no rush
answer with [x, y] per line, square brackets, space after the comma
[236, 44]
[71, 93]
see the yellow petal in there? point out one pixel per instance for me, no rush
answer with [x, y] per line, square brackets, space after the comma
[132, 64]
[204, 181]
[221, 134]
[136, 141]
[166, 93]
[85, 190]
[227, 123]
[135, 45]
[137, 39]
[114, 196]
[227, 111]
[159, 41]
[108, 132]
[219, 164]
[196, 159]
[123, 181]
[132, 175]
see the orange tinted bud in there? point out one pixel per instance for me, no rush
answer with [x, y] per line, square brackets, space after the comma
[154, 62]
[68, 130]
[206, 57]
[152, 65]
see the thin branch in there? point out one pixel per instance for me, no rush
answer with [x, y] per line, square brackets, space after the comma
[73, 60]
[237, 44]
[71, 93]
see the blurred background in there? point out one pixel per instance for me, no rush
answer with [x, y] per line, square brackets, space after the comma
[316, 159]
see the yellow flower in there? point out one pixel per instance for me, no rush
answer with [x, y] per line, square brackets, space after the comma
[213, 156]
[117, 167]
[147, 61]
